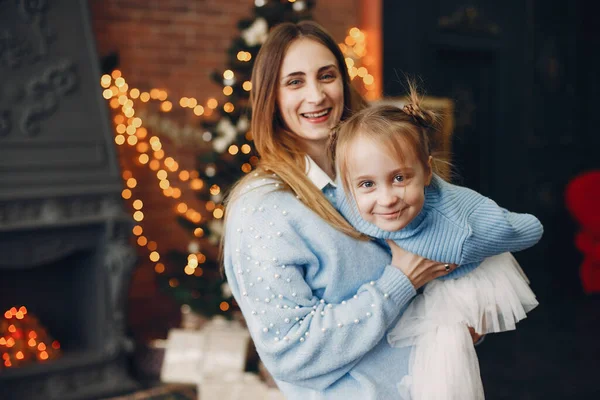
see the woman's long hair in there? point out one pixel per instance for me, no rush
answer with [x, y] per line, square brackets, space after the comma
[279, 152]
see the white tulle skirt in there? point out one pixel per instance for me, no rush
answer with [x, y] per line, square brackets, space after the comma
[444, 364]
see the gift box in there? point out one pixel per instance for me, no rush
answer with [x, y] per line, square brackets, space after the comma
[218, 348]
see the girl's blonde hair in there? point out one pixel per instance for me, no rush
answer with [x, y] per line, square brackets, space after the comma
[279, 150]
[396, 130]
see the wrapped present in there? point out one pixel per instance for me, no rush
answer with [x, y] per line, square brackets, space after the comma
[217, 349]
[246, 386]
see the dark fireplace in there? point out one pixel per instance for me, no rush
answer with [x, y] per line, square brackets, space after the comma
[64, 238]
[74, 280]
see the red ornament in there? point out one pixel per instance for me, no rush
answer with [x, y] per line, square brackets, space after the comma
[582, 198]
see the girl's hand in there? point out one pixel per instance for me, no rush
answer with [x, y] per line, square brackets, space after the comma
[417, 269]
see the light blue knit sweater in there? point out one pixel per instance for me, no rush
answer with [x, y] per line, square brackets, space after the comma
[317, 303]
[456, 225]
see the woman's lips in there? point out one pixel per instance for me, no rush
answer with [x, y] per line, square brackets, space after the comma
[317, 117]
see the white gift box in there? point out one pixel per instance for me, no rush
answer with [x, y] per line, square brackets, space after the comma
[184, 356]
[245, 386]
[219, 348]
[214, 358]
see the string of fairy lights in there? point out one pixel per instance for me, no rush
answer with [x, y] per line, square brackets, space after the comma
[23, 340]
[130, 131]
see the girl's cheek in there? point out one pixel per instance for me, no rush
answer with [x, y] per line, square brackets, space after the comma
[362, 204]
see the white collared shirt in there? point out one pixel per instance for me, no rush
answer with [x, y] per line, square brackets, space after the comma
[321, 180]
[316, 174]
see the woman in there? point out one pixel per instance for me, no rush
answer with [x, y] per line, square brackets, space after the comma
[317, 296]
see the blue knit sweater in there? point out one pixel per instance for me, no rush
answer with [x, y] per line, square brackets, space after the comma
[317, 303]
[456, 225]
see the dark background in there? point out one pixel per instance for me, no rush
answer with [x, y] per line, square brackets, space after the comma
[524, 78]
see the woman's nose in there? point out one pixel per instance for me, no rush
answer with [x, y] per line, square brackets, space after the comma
[316, 94]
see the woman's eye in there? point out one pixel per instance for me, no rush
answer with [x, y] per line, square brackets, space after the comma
[294, 82]
[326, 77]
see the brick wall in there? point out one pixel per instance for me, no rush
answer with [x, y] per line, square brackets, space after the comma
[175, 45]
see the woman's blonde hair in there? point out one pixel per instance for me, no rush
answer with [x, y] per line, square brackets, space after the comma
[397, 130]
[279, 150]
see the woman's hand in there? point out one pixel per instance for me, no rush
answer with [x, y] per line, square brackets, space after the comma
[474, 335]
[417, 269]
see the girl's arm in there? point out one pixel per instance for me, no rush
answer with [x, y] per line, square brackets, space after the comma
[301, 338]
[495, 230]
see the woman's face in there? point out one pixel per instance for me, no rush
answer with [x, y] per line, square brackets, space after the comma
[310, 97]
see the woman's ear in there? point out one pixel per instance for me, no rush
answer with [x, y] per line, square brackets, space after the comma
[428, 171]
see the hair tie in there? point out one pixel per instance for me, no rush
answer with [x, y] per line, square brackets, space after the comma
[411, 109]
[414, 111]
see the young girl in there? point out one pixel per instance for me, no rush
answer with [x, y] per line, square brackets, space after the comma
[388, 191]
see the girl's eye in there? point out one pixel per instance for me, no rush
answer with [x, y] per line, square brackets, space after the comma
[366, 184]
[398, 178]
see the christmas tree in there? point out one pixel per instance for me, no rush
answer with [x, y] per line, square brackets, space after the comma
[194, 278]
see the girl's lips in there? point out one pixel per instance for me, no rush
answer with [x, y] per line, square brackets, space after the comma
[392, 215]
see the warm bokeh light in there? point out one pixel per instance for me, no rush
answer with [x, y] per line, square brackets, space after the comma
[212, 103]
[218, 213]
[182, 208]
[197, 184]
[198, 110]
[138, 216]
[233, 149]
[246, 168]
[210, 205]
[154, 256]
[105, 81]
[228, 107]
[144, 158]
[215, 190]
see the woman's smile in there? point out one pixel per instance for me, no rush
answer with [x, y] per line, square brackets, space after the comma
[318, 116]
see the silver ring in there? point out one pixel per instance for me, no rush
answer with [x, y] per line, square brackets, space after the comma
[447, 267]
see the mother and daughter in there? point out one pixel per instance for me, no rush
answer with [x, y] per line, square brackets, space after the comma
[360, 272]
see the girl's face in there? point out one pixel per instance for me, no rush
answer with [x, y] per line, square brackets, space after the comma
[310, 97]
[389, 192]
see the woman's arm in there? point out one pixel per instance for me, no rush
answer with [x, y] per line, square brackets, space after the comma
[301, 338]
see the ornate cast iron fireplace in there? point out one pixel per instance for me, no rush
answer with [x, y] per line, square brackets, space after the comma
[64, 250]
